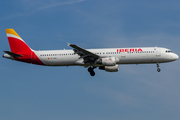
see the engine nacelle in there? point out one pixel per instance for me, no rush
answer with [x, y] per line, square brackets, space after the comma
[110, 68]
[109, 61]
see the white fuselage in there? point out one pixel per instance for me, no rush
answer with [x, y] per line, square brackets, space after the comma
[105, 59]
[125, 56]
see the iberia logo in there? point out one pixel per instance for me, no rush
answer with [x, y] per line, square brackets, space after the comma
[130, 50]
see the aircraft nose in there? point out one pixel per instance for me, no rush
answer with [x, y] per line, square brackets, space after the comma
[175, 57]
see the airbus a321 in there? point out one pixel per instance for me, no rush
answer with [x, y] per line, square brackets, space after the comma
[105, 59]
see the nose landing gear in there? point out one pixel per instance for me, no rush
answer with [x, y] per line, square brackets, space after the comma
[91, 71]
[158, 69]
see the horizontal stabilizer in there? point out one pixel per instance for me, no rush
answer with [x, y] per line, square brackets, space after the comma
[13, 54]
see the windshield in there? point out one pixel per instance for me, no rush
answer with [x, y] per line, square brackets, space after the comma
[168, 51]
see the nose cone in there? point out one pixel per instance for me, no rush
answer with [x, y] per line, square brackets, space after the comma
[171, 57]
[176, 56]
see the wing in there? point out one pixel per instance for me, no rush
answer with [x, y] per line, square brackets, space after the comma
[88, 56]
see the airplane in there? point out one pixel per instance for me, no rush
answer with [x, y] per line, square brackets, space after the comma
[107, 59]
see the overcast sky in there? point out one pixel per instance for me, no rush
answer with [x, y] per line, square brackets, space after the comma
[136, 92]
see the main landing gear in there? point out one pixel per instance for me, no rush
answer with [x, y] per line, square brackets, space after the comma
[158, 69]
[91, 71]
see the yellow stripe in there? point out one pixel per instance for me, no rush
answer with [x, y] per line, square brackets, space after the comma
[12, 31]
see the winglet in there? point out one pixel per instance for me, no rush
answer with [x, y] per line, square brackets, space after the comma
[68, 44]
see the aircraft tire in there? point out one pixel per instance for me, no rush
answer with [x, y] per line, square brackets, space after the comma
[92, 73]
[90, 69]
[158, 69]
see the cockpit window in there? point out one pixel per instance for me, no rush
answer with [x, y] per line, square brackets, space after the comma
[168, 51]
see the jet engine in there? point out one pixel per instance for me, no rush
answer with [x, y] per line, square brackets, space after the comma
[109, 61]
[110, 68]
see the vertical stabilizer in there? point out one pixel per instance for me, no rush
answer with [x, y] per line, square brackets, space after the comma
[20, 51]
[16, 43]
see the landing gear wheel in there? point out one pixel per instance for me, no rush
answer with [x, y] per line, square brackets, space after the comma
[92, 73]
[91, 70]
[158, 69]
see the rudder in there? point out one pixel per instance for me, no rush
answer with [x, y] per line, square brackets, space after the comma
[20, 51]
[17, 45]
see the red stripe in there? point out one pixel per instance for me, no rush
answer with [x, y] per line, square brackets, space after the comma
[19, 47]
[29, 57]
